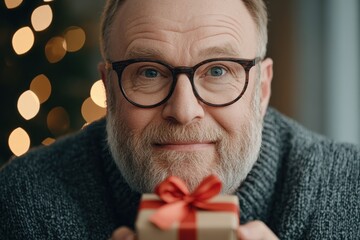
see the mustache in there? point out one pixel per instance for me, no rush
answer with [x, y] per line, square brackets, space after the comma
[169, 132]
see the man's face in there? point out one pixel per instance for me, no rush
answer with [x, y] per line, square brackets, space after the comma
[184, 137]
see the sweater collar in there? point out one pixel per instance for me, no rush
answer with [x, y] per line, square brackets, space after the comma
[256, 193]
[125, 200]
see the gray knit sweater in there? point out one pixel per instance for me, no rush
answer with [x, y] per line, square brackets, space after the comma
[303, 186]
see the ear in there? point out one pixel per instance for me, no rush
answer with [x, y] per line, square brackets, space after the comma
[266, 78]
[103, 73]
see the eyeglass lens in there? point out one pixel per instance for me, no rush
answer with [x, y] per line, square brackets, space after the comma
[217, 82]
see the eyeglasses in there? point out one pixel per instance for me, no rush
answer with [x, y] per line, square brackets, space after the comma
[217, 82]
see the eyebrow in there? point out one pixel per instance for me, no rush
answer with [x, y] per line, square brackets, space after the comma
[139, 52]
[226, 50]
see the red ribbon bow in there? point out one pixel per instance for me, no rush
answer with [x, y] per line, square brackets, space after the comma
[179, 205]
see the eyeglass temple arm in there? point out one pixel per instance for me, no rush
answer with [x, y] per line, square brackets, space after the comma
[108, 65]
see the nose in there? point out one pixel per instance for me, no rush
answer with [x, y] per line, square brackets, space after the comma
[183, 107]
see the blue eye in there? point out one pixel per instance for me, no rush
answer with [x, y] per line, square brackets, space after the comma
[151, 73]
[216, 71]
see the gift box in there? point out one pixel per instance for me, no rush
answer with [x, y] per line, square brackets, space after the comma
[174, 213]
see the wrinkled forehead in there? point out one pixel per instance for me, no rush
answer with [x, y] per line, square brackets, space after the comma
[194, 18]
[180, 10]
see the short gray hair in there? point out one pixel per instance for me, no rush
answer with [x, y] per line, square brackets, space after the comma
[257, 9]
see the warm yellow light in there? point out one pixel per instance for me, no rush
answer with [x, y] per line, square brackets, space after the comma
[97, 94]
[54, 49]
[19, 141]
[48, 141]
[28, 105]
[23, 40]
[74, 39]
[41, 18]
[48, 0]
[41, 86]
[91, 112]
[12, 3]
[58, 121]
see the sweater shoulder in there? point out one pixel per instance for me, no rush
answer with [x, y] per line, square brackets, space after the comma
[302, 143]
[318, 184]
[69, 152]
[61, 186]
[310, 151]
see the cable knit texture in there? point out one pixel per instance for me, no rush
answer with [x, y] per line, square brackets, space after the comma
[303, 186]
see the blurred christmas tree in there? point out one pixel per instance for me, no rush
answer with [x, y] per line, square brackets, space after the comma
[49, 54]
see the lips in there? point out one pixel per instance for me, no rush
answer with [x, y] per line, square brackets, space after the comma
[184, 146]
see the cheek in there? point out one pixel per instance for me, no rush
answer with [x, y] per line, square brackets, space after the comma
[133, 117]
[136, 119]
[250, 90]
[232, 118]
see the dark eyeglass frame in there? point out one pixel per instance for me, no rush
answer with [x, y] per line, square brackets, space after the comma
[119, 67]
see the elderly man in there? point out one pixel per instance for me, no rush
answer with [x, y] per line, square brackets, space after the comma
[188, 87]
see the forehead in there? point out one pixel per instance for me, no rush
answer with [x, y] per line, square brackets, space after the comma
[180, 22]
[181, 10]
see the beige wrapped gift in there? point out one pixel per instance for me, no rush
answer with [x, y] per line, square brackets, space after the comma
[207, 225]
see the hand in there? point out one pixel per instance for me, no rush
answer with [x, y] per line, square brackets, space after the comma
[255, 230]
[123, 233]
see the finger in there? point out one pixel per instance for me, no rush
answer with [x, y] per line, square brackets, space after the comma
[255, 230]
[123, 233]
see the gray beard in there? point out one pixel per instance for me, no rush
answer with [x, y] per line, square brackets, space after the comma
[144, 169]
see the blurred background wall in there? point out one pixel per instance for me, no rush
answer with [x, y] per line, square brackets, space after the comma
[315, 47]
[49, 84]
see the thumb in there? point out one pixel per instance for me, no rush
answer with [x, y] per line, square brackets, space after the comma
[255, 230]
[123, 233]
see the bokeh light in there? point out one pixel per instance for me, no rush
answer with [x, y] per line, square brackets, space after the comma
[28, 105]
[48, 141]
[91, 112]
[54, 49]
[39, 31]
[12, 3]
[23, 40]
[74, 39]
[19, 142]
[58, 121]
[41, 86]
[41, 18]
[97, 93]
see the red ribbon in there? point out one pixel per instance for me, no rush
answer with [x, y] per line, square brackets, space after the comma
[179, 205]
